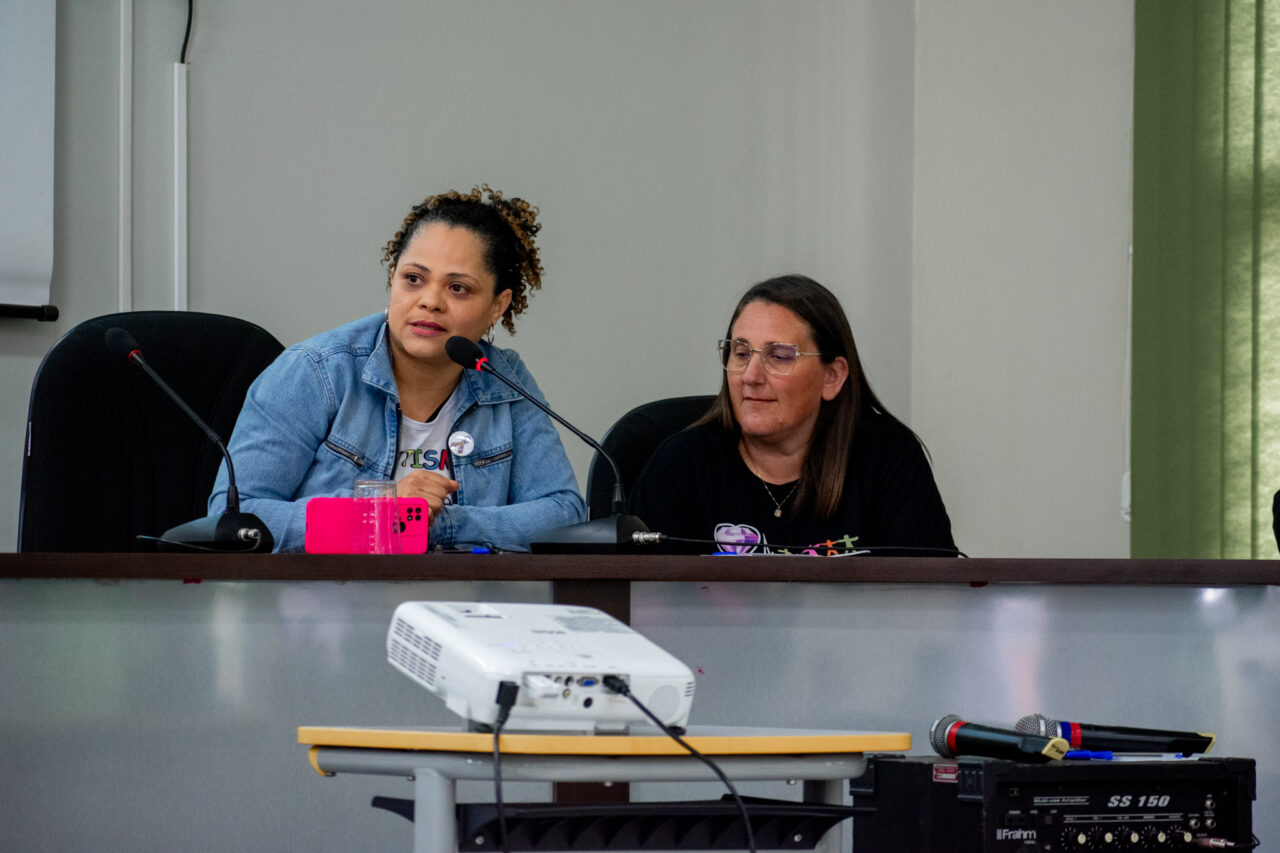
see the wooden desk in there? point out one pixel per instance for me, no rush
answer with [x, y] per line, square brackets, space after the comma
[436, 760]
[180, 676]
[639, 567]
[604, 581]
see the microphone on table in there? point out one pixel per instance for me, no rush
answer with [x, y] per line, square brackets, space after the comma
[1117, 738]
[951, 736]
[598, 536]
[233, 530]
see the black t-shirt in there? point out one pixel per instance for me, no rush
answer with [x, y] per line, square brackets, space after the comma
[696, 486]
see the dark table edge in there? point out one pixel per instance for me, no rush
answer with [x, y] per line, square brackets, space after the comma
[637, 568]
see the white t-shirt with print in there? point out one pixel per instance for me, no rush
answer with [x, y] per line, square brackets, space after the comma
[425, 446]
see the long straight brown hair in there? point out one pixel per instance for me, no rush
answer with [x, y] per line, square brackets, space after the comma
[822, 477]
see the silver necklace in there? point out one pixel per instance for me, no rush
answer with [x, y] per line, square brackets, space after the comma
[777, 512]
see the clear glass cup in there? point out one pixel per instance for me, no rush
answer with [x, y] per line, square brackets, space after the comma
[376, 526]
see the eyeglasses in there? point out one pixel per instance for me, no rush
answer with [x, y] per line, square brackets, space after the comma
[778, 359]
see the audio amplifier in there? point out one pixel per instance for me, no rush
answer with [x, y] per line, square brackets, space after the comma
[985, 805]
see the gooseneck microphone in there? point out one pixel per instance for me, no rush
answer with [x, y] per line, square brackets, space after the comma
[467, 353]
[601, 535]
[951, 736]
[233, 530]
[1118, 738]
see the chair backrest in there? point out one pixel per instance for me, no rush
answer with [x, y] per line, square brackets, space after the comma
[108, 454]
[1275, 517]
[632, 440]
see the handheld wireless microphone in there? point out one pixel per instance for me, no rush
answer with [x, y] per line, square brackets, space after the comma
[233, 530]
[1117, 738]
[601, 535]
[951, 736]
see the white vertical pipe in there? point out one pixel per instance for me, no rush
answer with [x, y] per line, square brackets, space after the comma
[1126, 400]
[180, 186]
[124, 177]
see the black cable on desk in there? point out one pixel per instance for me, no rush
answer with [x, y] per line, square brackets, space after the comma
[653, 538]
[617, 685]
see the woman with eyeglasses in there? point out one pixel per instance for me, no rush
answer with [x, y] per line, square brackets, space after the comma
[797, 454]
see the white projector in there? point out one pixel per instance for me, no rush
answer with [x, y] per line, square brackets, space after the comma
[556, 654]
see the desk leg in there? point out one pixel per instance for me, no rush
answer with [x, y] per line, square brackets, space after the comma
[435, 828]
[613, 596]
[831, 792]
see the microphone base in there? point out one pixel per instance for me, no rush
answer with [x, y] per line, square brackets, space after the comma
[238, 532]
[609, 535]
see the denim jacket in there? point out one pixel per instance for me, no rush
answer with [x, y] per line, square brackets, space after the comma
[326, 413]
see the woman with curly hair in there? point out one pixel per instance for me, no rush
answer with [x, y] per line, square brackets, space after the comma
[378, 398]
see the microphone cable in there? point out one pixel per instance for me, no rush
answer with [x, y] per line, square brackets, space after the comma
[616, 684]
[653, 538]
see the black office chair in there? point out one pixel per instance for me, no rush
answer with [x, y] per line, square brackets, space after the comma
[1275, 517]
[632, 439]
[108, 455]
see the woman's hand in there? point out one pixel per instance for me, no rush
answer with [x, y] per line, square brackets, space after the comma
[433, 487]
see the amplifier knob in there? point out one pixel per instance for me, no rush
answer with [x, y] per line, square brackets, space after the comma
[1128, 837]
[1119, 837]
[1078, 839]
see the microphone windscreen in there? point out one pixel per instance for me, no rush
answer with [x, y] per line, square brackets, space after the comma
[120, 343]
[1037, 724]
[938, 735]
[463, 351]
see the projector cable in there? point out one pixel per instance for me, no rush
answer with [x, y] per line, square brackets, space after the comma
[507, 692]
[616, 684]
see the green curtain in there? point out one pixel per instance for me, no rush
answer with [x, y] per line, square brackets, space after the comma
[1205, 447]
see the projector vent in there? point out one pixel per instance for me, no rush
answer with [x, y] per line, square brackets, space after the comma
[421, 642]
[412, 662]
[416, 653]
[688, 689]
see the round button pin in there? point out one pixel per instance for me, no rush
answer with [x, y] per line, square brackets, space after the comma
[461, 443]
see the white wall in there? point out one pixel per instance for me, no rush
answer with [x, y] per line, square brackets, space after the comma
[84, 224]
[679, 152]
[1020, 270]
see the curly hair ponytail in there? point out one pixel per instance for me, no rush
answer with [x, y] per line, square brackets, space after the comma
[507, 227]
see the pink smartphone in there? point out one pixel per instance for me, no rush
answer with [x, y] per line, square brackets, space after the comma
[329, 525]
